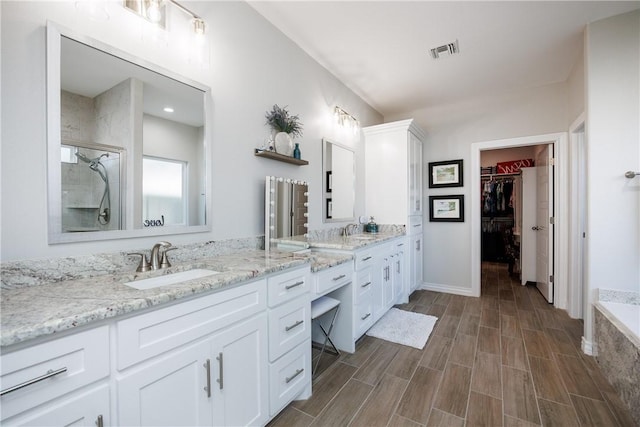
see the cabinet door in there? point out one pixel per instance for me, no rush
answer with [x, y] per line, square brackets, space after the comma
[388, 291]
[379, 286]
[416, 262]
[239, 375]
[415, 175]
[397, 269]
[171, 391]
[88, 409]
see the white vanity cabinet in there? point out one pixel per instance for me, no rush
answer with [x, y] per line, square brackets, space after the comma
[58, 382]
[394, 179]
[207, 361]
[289, 317]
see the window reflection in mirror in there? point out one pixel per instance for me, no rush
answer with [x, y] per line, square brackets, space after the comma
[163, 192]
[338, 163]
[104, 101]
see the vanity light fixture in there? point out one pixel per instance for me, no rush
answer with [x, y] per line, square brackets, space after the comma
[154, 11]
[346, 120]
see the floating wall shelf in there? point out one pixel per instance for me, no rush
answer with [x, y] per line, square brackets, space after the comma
[275, 156]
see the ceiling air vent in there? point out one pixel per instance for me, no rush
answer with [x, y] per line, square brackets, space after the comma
[445, 50]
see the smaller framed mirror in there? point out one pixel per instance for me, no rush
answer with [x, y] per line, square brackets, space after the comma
[339, 182]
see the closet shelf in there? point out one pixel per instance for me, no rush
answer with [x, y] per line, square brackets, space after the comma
[280, 157]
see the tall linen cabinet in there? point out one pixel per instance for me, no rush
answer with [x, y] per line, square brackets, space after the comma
[393, 189]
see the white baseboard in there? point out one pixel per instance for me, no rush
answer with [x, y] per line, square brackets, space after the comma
[588, 347]
[447, 289]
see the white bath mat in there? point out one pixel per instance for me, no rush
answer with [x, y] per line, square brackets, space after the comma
[404, 327]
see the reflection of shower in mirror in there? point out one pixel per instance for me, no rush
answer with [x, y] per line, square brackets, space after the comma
[105, 202]
[91, 177]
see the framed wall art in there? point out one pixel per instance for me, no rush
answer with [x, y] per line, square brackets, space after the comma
[446, 208]
[445, 174]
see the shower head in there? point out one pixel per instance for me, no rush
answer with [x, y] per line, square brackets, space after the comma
[92, 162]
[83, 157]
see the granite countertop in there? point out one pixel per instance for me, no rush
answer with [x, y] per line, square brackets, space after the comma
[30, 312]
[340, 243]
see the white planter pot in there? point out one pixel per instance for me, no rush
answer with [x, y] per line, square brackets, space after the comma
[284, 144]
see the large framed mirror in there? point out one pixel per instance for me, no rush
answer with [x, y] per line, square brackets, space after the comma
[128, 144]
[286, 214]
[339, 182]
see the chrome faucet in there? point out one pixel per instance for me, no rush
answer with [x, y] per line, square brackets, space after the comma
[155, 255]
[350, 229]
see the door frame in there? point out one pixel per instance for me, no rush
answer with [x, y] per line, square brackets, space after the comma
[560, 196]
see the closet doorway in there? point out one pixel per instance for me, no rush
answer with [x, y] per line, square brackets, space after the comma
[517, 204]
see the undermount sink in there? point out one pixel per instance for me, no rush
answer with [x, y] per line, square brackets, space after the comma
[170, 279]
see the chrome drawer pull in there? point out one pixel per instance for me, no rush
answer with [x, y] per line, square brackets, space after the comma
[298, 323]
[298, 372]
[417, 225]
[50, 373]
[342, 276]
[100, 421]
[366, 259]
[366, 284]
[221, 378]
[294, 285]
[367, 315]
[207, 366]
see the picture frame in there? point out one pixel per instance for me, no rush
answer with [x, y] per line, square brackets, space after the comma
[329, 208]
[445, 174]
[329, 181]
[446, 208]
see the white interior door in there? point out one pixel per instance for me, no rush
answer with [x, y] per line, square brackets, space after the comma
[544, 213]
[529, 235]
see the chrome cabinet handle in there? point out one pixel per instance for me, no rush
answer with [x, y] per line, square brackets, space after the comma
[365, 316]
[298, 323]
[366, 258]
[418, 245]
[342, 276]
[294, 285]
[50, 373]
[220, 379]
[366, 284]
[100, 421]
[207, 388]
[398, 267]
[535, 228]
[417, 225]
[298, 372]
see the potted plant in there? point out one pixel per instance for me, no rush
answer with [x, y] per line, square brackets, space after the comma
[286, 127]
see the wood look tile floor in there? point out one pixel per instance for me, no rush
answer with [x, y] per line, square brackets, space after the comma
[507, 358]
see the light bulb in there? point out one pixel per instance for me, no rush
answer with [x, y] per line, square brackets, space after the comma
[154, 14]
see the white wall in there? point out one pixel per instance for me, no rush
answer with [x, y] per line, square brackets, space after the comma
[251, 67]
[451, 129]
[613, 147]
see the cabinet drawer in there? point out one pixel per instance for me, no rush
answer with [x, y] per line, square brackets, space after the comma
[333, 278]
[80, 359]
[365, 259]
[363, 317]
[147, 335]
[289, 376]
[80, 410]
[415, 224]
[364, 284]
[289, 325]
[286, 286]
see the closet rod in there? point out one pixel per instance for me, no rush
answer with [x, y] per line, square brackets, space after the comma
[498, 175]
